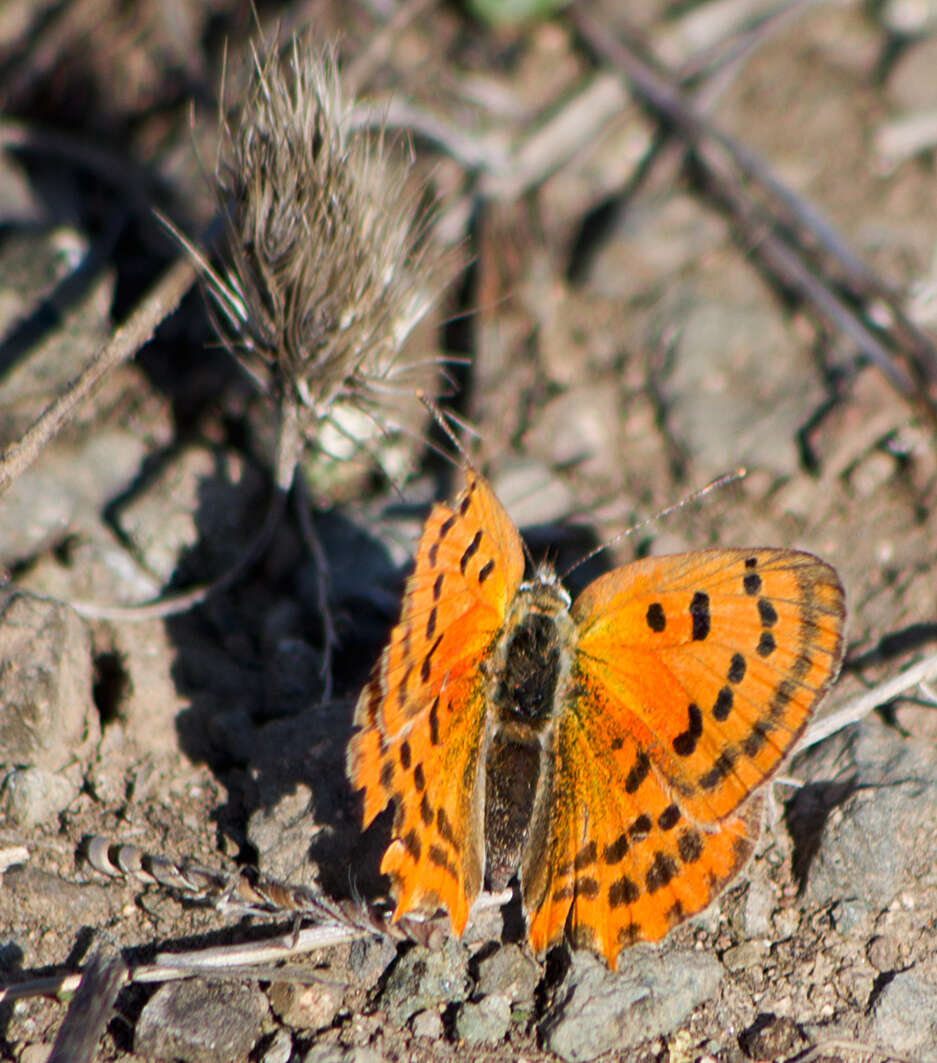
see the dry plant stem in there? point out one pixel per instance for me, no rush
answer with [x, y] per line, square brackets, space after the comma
[724, 161]
[245, 960]
[834, 1047]
[720, 63]
[859, 707]
[314, 546]
[288, 451]
[123, 345]
[90, 1009]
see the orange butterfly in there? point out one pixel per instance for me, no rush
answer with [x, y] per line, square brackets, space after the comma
[605, 750]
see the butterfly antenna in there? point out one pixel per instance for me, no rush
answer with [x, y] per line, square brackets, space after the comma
[720, 481]
[442, 419]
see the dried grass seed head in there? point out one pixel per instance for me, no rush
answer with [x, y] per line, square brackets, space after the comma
[330, 266]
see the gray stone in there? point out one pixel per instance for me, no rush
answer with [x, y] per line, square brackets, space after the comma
[883, 952]
[31, 896]
[760, 903]
[31, 796]
[424, 978]
[773, 1037]
[50, 336]
[427, 1024]
[911, 79]
[882, 837]
[280, 832]
[745, 955]
[36, 1053]
[850, 916]
[369, 958]
[201, 1022]
[484, 1022]
[596, 1010]
[280, 1048]
[306, 1007]
[47, 716]
[909, 18]
[508, 972]
[904, 1017]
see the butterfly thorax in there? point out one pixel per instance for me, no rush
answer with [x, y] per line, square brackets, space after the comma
[528, 674]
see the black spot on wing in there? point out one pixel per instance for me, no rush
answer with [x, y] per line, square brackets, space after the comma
[586, 856]
[685, 743]
[470, 551]
[411, 843]
[641, 827]
[428, 659]
[669, 818]
[723, 704]
[689, 846]
[445, 829]
[661, 872]
[639, 772]
[387, 775]
[622, 891]
[699, 611]
[437, 855]
[434, 723]
[766, 644]
[722, 767]
[616, 850]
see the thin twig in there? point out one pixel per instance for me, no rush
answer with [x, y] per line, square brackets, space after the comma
[90, 1009]
[859, 707]
[126, 341]
[717, 153]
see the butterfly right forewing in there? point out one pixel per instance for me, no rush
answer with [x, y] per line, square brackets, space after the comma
[422, 717]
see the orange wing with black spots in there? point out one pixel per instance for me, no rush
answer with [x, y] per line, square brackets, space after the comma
[692, 677]
[422, 717]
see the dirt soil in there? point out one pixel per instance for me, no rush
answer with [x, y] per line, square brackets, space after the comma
[616, 341]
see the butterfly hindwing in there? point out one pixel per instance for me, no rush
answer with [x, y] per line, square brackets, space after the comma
[621, 862]
[422, 717]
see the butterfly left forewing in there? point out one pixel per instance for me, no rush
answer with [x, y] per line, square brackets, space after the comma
[719, 657]
[421, 719]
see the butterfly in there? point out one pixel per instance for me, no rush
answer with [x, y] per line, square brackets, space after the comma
[607, 751]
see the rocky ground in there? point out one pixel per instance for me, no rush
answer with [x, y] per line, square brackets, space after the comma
[622, 340]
